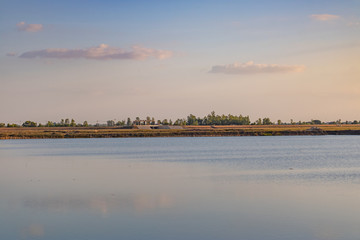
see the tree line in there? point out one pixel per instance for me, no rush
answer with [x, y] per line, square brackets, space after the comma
[209, 119]
[63, 123]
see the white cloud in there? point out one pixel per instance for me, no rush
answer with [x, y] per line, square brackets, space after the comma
[324, 17]
[22, 26]
[253, 68]
[101, 52]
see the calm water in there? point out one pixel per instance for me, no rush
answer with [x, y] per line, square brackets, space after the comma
[251, 188]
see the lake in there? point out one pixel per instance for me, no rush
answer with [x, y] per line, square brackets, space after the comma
[241, 188]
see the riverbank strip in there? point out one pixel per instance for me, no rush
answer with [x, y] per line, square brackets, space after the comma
[187, 131]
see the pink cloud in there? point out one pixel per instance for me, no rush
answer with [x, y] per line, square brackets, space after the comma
[324, 17]
[353, 24]
[253, 68]
[11, 54]
[22, 26]
[101, 52]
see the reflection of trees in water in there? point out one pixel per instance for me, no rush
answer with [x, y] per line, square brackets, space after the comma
[104, 204]
[33, 230]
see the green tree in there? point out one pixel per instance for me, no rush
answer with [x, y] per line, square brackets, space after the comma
[120, 123]
[137, 121]
[128, 122]
[191, 120]
[110, 123]
[72, 124]
[315, 121]
[2, 125]
[180, 122]
[85, 124]
[148, 120]
[49, 124]
[266, 121]
[67, 122]
[29, 124]
[12, 125]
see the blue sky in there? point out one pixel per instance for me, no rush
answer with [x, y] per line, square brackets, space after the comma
[101, 60]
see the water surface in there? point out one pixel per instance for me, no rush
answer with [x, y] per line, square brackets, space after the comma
[305, 187]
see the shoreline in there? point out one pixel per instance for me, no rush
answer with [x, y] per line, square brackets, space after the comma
[187, 131]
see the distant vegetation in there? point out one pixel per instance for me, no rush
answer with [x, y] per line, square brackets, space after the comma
[210, 119]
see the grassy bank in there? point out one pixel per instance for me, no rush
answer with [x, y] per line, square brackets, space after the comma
[188, 131]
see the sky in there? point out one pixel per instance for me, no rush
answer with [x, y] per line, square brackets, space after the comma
[108, 60]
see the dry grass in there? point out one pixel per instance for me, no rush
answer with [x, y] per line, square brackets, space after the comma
[236, 130]
[327, 127]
